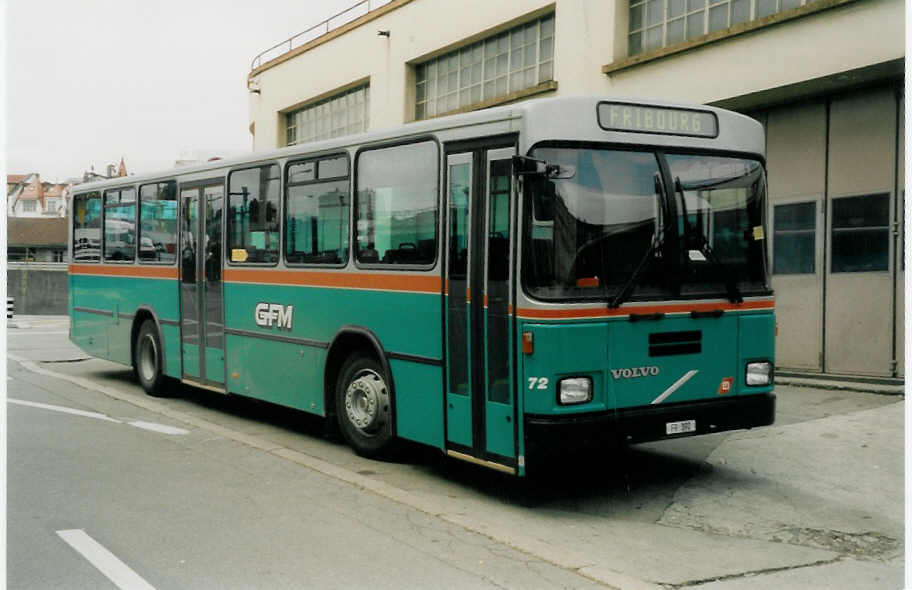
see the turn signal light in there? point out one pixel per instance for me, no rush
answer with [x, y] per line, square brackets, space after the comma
[527, 345]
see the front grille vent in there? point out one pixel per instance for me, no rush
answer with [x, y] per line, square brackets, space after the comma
[674, 343]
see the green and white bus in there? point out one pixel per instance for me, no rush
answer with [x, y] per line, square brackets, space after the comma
[493, 284]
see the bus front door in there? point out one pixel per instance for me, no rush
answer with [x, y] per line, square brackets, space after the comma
[201, 302]
[480, 394]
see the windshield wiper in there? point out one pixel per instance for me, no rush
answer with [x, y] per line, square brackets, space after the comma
[734, 295]
[625, 291]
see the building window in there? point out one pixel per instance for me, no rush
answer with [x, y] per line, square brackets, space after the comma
[341, 114]
[51, 206]
[253, 215]
[316, 211]
[158, 222]
[861, 233]
[119, 224]
[514, 60]
[794, 234]
[396, 205]
[653, 24]
[29, 206]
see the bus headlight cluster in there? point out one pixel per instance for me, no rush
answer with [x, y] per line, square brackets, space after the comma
[574, 390]
[759, 373]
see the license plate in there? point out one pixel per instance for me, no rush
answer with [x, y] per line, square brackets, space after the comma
[680, 427]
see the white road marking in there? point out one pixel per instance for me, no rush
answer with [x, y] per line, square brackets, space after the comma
[164, 429]
[675, 386]
[74, 411]
[35, 333]
[105, 561]
[154, 427]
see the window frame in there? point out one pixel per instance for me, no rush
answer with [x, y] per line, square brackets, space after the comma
[225, 234]
[353, 239]
[351, 202]
[176, 222]
[104, 221]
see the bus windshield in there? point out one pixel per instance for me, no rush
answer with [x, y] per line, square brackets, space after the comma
[610, 226]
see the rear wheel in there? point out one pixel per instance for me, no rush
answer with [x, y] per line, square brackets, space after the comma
[364, 406]
[148, 359]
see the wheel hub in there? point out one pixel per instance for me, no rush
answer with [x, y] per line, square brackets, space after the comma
[367, 402]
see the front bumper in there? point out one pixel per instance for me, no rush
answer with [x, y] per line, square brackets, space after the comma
[647, 423]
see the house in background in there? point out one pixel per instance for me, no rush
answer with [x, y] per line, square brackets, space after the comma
[28, 196]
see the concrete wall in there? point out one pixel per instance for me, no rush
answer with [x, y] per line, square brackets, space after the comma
[38, 292]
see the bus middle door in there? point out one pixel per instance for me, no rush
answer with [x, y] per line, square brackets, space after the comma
[480, 394]
[201, 294]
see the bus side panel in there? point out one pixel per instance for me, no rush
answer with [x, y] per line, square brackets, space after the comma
[278, 372]
[419, 403]
[285, 366]
[107, 335]
[172, 346]
[88, 330]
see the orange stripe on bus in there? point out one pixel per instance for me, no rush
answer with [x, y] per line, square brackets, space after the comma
[146, 272]
[532, 313]
[382, 282]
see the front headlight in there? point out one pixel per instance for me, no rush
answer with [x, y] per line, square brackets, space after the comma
[759, 373]
[574, 390]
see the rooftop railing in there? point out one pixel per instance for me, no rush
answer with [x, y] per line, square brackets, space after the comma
[334, 22]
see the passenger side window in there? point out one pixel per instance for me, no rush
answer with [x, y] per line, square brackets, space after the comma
[87, 227]
[253, 215]
[317, 203]
[396, 206]
[120, 224]
[158, 222]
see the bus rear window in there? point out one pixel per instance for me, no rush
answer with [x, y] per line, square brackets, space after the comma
[396, 206]
[87, 227]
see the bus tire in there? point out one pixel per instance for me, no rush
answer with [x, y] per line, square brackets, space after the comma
[364, 406]
[148, 359]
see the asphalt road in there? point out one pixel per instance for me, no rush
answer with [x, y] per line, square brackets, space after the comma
[202, 491]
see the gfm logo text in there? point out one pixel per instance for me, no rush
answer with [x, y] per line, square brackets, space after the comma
[267, 315]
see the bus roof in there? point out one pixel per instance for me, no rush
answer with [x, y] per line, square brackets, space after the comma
[544, 119]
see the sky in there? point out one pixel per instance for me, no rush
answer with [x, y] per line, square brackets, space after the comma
[89, 82]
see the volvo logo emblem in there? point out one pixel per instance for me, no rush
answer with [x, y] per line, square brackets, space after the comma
[632, 372]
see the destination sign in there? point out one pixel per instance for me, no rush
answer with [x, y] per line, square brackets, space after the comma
[613, 116]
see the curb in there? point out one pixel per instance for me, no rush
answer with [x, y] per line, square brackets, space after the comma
[842, 385]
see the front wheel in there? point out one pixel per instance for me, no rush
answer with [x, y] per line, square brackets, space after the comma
[364, 406]
[148, 359]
